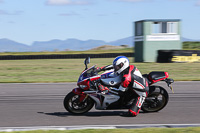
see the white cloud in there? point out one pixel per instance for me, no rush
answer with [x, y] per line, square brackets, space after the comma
[67, 2]
[132, 0]
[69, 14]
[198, 3]
[3, 12]
[177, 0]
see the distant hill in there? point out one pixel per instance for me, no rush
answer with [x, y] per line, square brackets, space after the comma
[189, 40]
[109, 47]
[7, 45]
[75, 44]
[61, 45]
[125, 41]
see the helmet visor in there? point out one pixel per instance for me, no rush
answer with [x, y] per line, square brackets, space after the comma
[117, 67]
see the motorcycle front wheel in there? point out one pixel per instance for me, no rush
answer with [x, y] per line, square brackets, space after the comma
[156, 100]
[73, 105]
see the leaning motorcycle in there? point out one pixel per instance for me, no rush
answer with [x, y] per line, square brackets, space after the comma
[81, 99]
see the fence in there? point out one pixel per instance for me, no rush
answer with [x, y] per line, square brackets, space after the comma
[63, 56]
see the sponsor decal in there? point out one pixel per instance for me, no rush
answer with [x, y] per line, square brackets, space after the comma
[157, 38]
[163, 37]
[193, 58]
[112, 82]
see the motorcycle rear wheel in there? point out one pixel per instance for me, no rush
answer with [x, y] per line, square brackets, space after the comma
[156, 100]
[73, 105]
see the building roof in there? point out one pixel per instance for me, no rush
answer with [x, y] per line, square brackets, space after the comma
[159, 20]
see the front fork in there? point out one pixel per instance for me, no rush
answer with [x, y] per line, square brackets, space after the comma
[79, 91]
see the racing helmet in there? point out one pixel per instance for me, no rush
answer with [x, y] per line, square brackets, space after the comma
[120, 63]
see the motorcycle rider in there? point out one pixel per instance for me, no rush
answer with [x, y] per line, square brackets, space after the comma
[131, 79]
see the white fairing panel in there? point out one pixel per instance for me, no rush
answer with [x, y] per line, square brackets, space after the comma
[103, 103]
[112, 80]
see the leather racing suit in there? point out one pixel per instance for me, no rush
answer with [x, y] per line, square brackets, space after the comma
[132, 79]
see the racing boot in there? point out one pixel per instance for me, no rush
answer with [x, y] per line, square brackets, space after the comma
[136, 106]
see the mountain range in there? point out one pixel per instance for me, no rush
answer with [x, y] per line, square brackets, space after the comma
[7, 45]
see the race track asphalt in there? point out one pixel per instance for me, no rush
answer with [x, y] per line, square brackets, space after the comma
[24, 105]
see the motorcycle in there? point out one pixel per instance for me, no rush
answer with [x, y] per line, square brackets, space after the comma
[81, 99]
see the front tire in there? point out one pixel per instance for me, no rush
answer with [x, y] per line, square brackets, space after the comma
[73, 105]
[156, 100]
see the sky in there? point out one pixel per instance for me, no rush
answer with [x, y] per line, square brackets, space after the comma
[26, 21]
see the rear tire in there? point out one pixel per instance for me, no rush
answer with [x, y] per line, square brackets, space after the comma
[156, 100]
[73, 105]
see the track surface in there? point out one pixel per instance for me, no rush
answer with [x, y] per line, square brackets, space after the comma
[42, 105]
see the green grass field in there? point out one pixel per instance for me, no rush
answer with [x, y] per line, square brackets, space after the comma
[122, 50]
[191, 45]
[68, 70]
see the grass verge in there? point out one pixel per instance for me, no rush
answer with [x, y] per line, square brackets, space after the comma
[144, 130]
[122, 50]
[68, 70]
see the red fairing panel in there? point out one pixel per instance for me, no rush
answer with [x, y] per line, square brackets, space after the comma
[95, 78]
[79, 92]
[159, 79]
[86, 83]
[166, 74]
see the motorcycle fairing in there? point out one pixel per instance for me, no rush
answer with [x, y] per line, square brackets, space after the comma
[79, 92]
[108, 74]
[110, 79]
[87, 73]
[102, 101]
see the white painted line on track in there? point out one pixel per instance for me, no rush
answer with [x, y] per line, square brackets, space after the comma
[11, 129]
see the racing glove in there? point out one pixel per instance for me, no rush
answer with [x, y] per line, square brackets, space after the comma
[103, 89]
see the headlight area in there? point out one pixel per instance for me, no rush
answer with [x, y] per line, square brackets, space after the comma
[82, 86]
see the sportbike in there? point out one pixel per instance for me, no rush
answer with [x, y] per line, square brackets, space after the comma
[81, 99]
